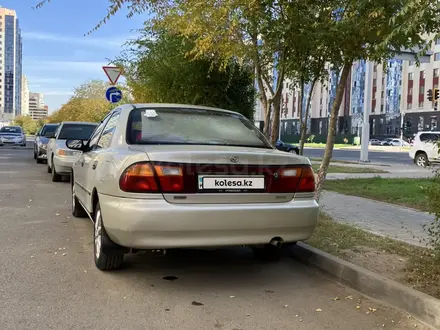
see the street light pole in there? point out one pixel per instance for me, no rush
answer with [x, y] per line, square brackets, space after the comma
[402, 120]
[367, 104]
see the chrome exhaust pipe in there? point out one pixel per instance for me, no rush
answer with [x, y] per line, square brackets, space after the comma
[277, 242]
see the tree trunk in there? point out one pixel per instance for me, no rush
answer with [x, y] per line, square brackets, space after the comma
[276, 119]
[306, 117]
[268, 113]
[322, 172]
[301, 121]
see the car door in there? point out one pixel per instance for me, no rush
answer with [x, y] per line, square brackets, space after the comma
[96, 162]
[81, 164]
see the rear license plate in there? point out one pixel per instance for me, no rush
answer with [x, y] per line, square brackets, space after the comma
[231, 183]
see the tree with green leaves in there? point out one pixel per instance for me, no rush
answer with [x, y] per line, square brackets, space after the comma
[88, 103]
[158, 70]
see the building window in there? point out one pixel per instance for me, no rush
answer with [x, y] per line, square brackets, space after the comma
[382, 94]
[422, 90]
[410, 76]
[421, 105]
[436, 56]
[409, 106]
[381, 108]
[437, 41]
[422, 74]
[433, 123]
[411, 63]
[420, 124]
[435, 73]
[410, 91]
[435, 85]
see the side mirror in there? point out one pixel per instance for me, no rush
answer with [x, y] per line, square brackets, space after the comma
[49, 135]
[75, 145]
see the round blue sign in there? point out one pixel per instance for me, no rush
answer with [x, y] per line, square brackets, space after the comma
[113, 95]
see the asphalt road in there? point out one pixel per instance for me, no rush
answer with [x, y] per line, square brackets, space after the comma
[48, 279]
[374, 156]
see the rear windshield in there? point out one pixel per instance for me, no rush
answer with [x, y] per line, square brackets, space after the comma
[10, 129]
[48, 129]
[76, 131]
[192, 126]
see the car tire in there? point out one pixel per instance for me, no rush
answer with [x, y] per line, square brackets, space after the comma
[421, 160]
[55, 176]
[267, 253]
[293, 151]
[103, 261]
[77, 209]
[35, 155]
[39, 161]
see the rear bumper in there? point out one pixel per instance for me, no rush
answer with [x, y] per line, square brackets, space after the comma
[155, 223]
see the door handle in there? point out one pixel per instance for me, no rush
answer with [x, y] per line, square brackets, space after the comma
[94, 165]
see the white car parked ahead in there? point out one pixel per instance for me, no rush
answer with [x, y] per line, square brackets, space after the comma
[425, 149]
[162, 176]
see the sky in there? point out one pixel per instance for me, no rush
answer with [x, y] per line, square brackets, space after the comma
[56, 55]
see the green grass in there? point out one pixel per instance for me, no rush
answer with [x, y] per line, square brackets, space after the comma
[322, 145]
[336, 161]
[348, 169]
[422, 268]
[405, 192]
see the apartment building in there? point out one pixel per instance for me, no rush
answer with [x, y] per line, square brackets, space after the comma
[10, 64]
[37, 109]
[399, 88]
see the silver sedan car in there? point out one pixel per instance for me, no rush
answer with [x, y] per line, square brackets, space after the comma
[163, 176]
[59, 157]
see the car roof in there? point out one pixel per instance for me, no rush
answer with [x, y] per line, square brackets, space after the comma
[12, 126]
[79, 123]
[51, 124]
[132, 106]
[428, 132]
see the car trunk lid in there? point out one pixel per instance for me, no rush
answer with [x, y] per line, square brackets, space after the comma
[221, 174]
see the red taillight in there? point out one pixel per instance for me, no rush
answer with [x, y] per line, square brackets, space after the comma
[307, 181]
[144, 178]
[293, 179]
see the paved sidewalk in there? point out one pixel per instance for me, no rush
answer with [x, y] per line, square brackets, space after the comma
[379, 218]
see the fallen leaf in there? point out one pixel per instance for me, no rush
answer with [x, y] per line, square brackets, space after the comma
[349, 297]
[319, 310]
[285, 306]
[358, 307]
[335, 298]
[231, 297]
[64, 254]
[196, 303]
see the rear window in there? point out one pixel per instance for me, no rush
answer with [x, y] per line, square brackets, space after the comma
[10, 129]
[48, 129]
[429, 137]
[76, 131]
[192, 126]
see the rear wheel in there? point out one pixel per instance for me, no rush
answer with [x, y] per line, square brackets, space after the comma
[267, 253]
[292, 151]
[39, 161]
[103, 261]
[35, 155]
[55, 176]
[422, 160]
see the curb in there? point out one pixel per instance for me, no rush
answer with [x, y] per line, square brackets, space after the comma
[420, 305]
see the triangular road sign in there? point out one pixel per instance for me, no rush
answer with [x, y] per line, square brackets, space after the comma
[113, 73]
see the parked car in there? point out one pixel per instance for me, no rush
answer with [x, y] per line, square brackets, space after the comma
[375, 142]
[386, 142]
[59, 157]
[41, 141]
[425, 149]
[398, 143]
[159, 176]
[283, 146]
[12, 135]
